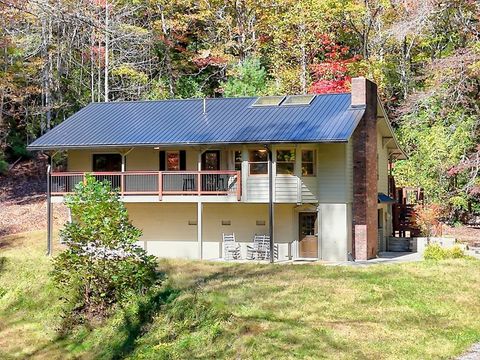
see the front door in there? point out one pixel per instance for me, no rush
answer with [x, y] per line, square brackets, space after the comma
[308, 244]
[212, 182]
[211, 160]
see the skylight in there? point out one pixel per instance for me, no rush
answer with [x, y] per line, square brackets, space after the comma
[268, 101]
[298, 100]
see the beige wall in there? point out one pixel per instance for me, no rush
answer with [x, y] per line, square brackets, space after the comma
[146, 159]
[167, 233]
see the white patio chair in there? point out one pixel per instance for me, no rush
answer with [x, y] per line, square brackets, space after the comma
[231, 249]
[260, 249]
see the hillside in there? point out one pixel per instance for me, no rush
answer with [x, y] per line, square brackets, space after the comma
[23, 199]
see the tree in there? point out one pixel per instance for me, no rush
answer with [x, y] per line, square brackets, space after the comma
[101, 265]
[248, 79]
[332, 73]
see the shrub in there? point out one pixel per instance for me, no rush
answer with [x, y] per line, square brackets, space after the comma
[427, 218]
[436, 252]
[102, 265]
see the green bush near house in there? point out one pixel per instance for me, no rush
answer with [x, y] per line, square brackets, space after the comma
[436, 252]
[101, 266]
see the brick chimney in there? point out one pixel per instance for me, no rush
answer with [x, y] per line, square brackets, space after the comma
[365, 193]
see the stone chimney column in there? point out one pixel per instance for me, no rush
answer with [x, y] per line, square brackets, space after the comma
[365, 193]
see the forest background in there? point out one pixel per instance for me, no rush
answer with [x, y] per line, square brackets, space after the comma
[56, 56]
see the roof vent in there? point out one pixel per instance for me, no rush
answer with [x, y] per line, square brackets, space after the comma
[268, 101]
[293, 100]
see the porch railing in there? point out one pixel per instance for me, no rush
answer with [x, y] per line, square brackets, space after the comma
[222, 182]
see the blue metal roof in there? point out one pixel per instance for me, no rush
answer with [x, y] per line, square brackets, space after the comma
[385, 199]
[328, 118]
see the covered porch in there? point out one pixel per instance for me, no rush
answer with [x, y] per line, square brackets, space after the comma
[155, 183]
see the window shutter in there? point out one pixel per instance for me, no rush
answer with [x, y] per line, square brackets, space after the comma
[162, 160]
[183, 160]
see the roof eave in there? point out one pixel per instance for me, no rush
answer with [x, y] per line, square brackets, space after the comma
[398, 152]
[128, 145]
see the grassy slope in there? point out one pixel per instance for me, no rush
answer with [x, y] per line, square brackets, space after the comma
[215, 310]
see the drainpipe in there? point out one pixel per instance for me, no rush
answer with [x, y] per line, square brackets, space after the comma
[49, 211]
[270, 203]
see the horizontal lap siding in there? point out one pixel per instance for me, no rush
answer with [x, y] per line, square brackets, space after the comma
[286, 189]
[334, 179]
[309, 189]
[257, 188]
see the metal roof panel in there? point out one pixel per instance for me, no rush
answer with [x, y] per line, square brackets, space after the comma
[328, 118]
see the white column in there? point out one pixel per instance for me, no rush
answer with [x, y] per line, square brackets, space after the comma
[199, 229]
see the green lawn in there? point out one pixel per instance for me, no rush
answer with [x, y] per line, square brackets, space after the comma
[246, 311]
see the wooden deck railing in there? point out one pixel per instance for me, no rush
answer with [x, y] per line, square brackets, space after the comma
[222, 182]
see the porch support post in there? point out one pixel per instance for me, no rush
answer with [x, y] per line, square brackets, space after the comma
[199, 229]
[199, 160]
[49, 211]
[270, 203]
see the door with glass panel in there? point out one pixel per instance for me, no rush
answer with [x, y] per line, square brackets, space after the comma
[308, 239]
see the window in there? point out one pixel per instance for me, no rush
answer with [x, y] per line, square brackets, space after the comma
[268, 101]
[298, 100]
[285, 162]
[238, 160]
[107, 162]
[173, 161]
[258, 162]
[308, 163]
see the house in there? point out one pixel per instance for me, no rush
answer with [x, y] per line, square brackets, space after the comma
[190, 170]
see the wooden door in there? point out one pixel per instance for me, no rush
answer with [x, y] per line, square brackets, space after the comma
[308, 244]
[211, 160]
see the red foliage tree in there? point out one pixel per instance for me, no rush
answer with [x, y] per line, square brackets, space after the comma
[331, 74]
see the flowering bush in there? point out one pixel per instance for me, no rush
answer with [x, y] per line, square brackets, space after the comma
[101, 265]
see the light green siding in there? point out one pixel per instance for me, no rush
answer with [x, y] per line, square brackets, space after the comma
[335, 177]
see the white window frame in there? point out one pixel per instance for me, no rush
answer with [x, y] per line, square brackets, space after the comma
[292, 150]
[313, 162]
[256, 162]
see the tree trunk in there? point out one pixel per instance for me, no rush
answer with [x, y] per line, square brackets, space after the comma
[106, 52]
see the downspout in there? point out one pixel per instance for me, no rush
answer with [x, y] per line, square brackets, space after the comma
[49, 211]
[270, 203]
